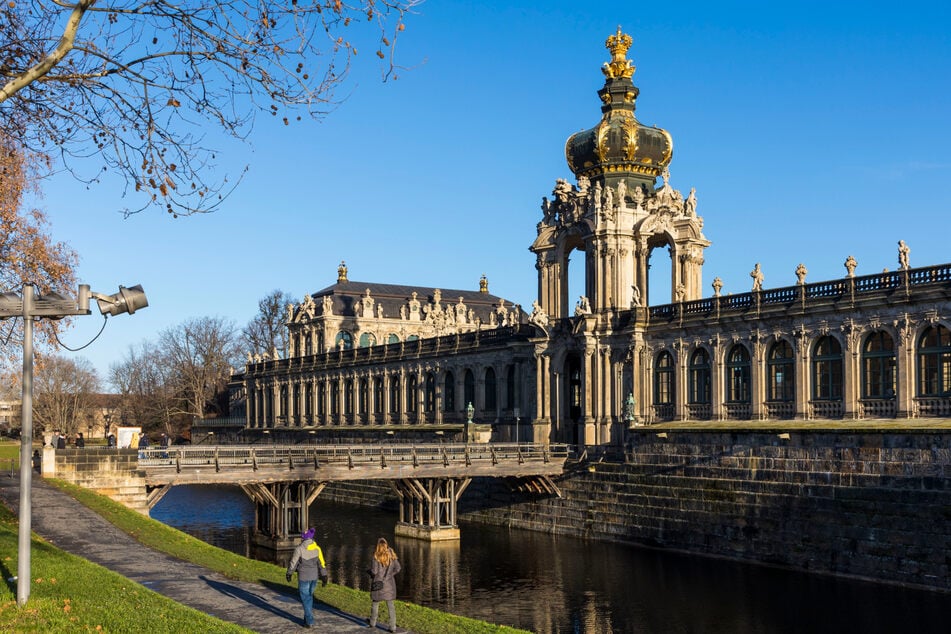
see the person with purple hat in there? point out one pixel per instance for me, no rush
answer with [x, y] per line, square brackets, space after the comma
[308, 562]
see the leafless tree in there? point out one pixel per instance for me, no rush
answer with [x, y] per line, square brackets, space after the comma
[137, 83]
[267, 332]
[64, 394]
[145, 390]
[200, 355]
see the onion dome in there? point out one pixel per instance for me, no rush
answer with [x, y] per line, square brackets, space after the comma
[619, 144]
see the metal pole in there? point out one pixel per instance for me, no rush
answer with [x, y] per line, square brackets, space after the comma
[26, 458]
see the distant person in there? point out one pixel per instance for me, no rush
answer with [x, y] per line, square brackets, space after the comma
[143, 444]
[308, 562]
[80, 441]
[60, 440]
[37, 460]
[163, 443]
[383, 570]
[111, 440]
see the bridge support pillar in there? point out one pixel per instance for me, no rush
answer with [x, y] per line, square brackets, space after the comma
[428, 507]
[281, 511]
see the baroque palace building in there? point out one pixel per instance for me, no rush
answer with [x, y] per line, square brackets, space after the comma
[380, 358]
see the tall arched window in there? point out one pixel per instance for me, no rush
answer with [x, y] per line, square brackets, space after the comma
[468, 387]
[738, 375]
[510, 387]
[934, 362]
[411, 397]
[348, 398]
[364, 400]
[334, 399]
[827, 370]
[781, 373]
[490, 394]
[395, 402]
[449, 393]
[878, 366]
[430, 401]
[322, 399]
[392, 338]
[378, 395]
[698, 378]
[664, 379]
[308, 401]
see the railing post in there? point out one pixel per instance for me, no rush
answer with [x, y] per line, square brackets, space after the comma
[217, 466]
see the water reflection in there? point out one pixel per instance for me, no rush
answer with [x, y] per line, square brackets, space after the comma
[558, 585]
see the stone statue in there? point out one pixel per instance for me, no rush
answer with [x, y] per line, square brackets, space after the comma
[690, 205]
[622, 195]
[548, 211]
[583, 184]
[596, 198]
[903, 251]
[328, 305]
[635, 296]
[582, 307]
[717, 286]
[801, 272]
[680, 293]
[638, 196]
[757, 276]
[850, 265]
[538, 316]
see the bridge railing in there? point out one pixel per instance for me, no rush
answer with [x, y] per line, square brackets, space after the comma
[258, 456]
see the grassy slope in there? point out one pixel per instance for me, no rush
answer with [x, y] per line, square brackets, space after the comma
[174, 542]
[70, 594]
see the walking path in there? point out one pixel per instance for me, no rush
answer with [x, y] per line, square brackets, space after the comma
[72, 527]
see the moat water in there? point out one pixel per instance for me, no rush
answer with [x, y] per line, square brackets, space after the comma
[562, 585]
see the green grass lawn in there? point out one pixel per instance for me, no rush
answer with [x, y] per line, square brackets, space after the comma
[71, 594]
[178, 544]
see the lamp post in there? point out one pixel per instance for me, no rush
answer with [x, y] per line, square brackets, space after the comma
[517, 412]
[31, 306]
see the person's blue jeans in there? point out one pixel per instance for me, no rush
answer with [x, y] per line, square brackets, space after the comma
[306, 589]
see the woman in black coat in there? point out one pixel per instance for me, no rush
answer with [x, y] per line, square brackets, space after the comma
[383, 570]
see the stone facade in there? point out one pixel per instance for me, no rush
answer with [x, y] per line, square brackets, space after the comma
[860, 504]
[383, 356]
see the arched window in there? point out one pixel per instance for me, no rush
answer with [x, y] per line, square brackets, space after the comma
[430, 402]
[344, 340]
[364, 399]
[322, 399]
[468, 387]
[411, 396]
[510, 387]
[378, 395]
[395, 401]
[367, 339]
[698, 377]
[348, 398]
[664, 379]
[781, 373]
[878, 366]
[392, 338]
[334, 399]
[413, 338]
[738, 375]
[490, 395]
[449, 393]
[934, 362]
[827, 370]
[308, 401]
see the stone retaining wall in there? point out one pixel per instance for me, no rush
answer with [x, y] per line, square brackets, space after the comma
[865, 505]
[112, 472]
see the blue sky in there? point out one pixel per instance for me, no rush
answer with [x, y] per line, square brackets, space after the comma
[812, 131]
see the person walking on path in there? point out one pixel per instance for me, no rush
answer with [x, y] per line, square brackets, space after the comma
[308, 561]
[383, 571]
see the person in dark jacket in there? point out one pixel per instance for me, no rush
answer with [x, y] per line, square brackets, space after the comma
[383, 570]
[60, 440]
[80, 441]
[308, 561]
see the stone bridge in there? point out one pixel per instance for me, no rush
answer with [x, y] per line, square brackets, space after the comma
[283, 481]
